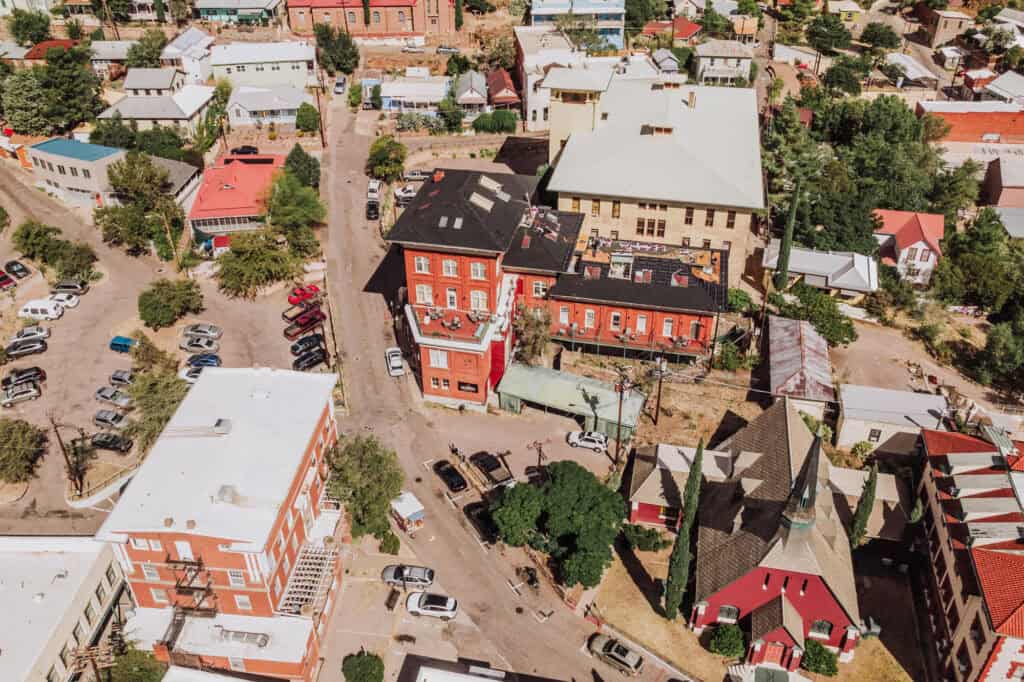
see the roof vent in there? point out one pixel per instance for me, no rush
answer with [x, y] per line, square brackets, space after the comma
[458, 223]
[483, 202]
[227, 186]
[228, 494]
[488, 183]
[190, 524]
[222, 427]
[38, 597]
[443, 222]
[61, 574]
[168, 521]
[504, 196]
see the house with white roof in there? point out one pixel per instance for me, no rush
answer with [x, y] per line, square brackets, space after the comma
[185, 108]
[58, 596]
[260, 12]
[889, 420]
[291, 63]
[108, 56]
[658, 478]
[694, 9]
[1008, 87]
[226, 533]
[190, 52]
[723, 62]
[279, 105]
[608, 17]
[656, 161]
[159, 81]
[415, 92]
[841, 273]
[913, 72]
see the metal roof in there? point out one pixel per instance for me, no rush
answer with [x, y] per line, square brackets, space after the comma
[571, 393]
[799, 363]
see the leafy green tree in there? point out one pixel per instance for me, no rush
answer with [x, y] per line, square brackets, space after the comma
[533, 331]
[137, 179]
[386, 160]
[156, 392]
[826, 34]
[33, 239]
[254, 261]
[136, 666]
[28, 28]
[822, 311]
[786, 245]
[880, 36]
[71, 89]
[73, 27]
[859, 524]
[457, 65]
[679, 561]
[366, 476]
[366, 12]
[795, 14]
[355, 94]
[120, 10]
[363, 667]
[639, 12]
[162, 141]
[818, 659]
[581, 30]
[303, 166]
[498, 51]
[643, 538]
[25, 103]
[739, 301]
[21, 446]
[97, 34]
[978, 265]
[165, 302]
[5, 219]
[307, 118]
[181, 10]
[480, 6]
[518, 514]
[41, 242]
[788, 152]
[1002, 359]
[458, 15]
[112, 132]
[842, 77]
[727, 640]
[376, 101]
[713, 23]
[145, 53]
[338, 52]
[125, 226]
[291, 204]
[451, 114]
[956, 189]
[147, 356]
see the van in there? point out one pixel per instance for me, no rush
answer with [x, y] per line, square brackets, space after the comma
[121, 344]
[41, 309]
[70, 286]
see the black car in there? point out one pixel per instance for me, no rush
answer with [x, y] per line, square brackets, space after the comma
[27, 375]
[493, 468]
[310, 360]
[111, 441]
[450, 475]
[307, 343]
[245, 149]
[372, 210]
[479, 515]
[25, 347]
[16, 269]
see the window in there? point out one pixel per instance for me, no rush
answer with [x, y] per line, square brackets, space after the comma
[467, 387]
[576, 204]
[614, 234]
[438, 358]
[65, 656]
[912, 254]
[451, 297]
[477, 271]
[589, 319]
[155, 545]
[661, 228]
[139, 543]
[545, 113]
[421, 264]
[650, 227]
[424, 294]
[615, 321]
[874, 435]
[595, 207]
[666, 327]
[60, 169]
[78, 634]
[640, 226]
[730, 219]
[728, 614]
[688, 219]
[435, 383]
[243, 602]
[90, 613]
[149, 572]
[159, 595]
[727, 245]
[821, 628]
[925, 255]
[450, 267]
[478, 300]
[50, 166]
[563, 315]
[86, 174]
[709, 218]
[533, 116]
[236, 664]
[111, 575]
[642, 205]
[662, 207]
[376, 17]
[446, 385]
[236, 578]
[685, 242]
[74, 171]
[641, 324]
[616, 208]
[101, 593]
[540, 289]
[352, 17]
[707, 243]
[401, 17]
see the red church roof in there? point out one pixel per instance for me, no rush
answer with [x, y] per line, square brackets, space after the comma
[38, 51]
[235, 187]
[1001, 577]
[909, 228]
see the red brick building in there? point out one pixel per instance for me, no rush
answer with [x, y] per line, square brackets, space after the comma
[986, 121]
[388, 18]
[476, 247]
[772, 553]
[226, 532]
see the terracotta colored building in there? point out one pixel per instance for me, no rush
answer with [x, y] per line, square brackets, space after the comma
[232, 565]
[389, 19]
[985, 121]
[232, 197]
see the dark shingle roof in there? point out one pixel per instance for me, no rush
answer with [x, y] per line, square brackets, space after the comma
[546, 244]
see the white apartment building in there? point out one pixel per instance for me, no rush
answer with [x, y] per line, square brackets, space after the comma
[266, 64]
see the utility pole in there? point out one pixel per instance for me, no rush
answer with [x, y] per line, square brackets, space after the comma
[661, 369]
[63, 448]
[624, 384]
[320, 110]
[539, 447]
[110, 18]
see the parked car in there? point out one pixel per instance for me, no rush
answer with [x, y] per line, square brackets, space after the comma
[306, 293]
[65, 300]
[593, 440]
[106, 394]
[20, 393]
[393, 361]
[77, 287]
[405, 193]
[428, 604]
[413, 49]
[199, 344]
[496, 472]
[450, 475]
[244, 150]
[16, 269]
[373, 188]
[204, 330]
[108, 419]
[6, 282]
[412, 576]
[190, 374]
[122, 344]
[479, 516]
[111, 441]
[20, 349]
[307, 361]
[339, 86]
[294, 311]
[41, 309]
[304, 323]
[616, 654]
[34, 331]
[122, 377]
[26, 375]
[416, 174]
[204, 360]
[372, 210]
[447, 49]
[306, 344]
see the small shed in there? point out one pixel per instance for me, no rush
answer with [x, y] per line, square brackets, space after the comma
[593, 402]
[408, 511]
[914, 72]
[799, 366]
[665, 60]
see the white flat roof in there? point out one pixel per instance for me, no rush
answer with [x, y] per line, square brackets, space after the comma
[39, 578]
[850, 482]
[424, 90]
[262, 53]
[233, 485]
[178, 674]
[890, 406]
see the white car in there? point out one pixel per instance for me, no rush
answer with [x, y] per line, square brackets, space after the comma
[203, 329]
[65, 300]
[373, 190]
[339, 86]
[393, 360]
[31, 333]
[434, 605]
[405, 193]
[106, 394]
[594, 440]
[190, 374]
[199, 344]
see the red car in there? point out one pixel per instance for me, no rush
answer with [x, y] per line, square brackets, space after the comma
[6, 282]
[300, 294]
[305, 322]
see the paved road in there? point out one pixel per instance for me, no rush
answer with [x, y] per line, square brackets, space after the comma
[391, 409]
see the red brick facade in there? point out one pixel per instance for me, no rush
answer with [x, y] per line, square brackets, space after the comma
[388, 18]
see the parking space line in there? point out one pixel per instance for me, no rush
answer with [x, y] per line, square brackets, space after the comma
[427, 462]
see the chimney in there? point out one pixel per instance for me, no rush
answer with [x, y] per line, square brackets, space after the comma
[692, 101]
[168, 522]
[438, 175]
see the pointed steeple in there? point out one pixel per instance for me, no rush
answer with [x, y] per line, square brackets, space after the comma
[800, 507]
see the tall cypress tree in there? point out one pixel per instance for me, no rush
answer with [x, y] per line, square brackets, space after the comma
[679, 562]
[782, 267]
[859, 524]
[366, 12]
[458, 15]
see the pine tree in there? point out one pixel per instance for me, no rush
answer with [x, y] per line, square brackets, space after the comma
[782, 267]
[458, 15]
[859, 524]
[303, 166]
[679, 562]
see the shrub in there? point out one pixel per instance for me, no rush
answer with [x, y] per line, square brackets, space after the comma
[862, 449]
[818, 659]
[255, 260]
[727, 640]
[21, 446]
[643, 538]
[166, 302]
[363, 667]
[41, 242]
[739, 301]
[307, 119]
[729, 357]
[389, 544]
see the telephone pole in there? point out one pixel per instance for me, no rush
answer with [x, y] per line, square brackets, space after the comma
[661, 369]
[623, 385]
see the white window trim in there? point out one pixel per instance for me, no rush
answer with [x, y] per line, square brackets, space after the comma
[641, 324]
[241, 599]
[589, 319]
[236, 577]
[140, 544]
[453, 270]
[423, 261]
[159, 595]
[424, 294]
[477, 270]
[438, 358]
[146, 569]
[478, 301]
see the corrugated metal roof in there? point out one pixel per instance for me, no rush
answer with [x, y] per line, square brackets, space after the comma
[571, 393]
[799, 364]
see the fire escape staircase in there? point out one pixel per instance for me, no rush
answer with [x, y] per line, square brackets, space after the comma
[192, 580]
[310, 581]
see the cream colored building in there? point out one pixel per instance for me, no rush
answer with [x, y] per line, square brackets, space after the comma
[656, 160]
[58, 594]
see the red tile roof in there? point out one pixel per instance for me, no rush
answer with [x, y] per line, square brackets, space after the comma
[1001, 577]
[338, 4]
[909, 228]
[940, 443]
[500, 88]
[38, 51]
[235, 187]
[681, 27]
